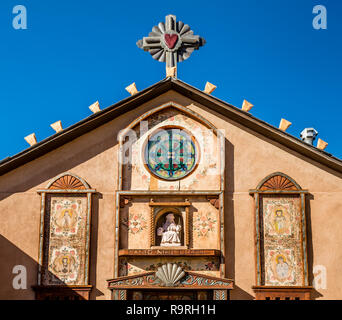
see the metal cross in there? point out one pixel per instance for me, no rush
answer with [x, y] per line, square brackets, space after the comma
[171, 42]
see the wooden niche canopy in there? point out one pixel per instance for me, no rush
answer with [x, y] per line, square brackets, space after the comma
[281, 239]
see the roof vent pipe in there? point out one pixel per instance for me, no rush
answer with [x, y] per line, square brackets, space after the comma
[309, 135]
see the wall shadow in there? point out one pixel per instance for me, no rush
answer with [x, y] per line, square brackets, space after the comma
[237, 293]
[93, 246]
[229, 228]
[314, 294]
[11, 256]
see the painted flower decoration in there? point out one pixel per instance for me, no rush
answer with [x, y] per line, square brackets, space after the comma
[210, 266]
[136, 223]
[204, 224]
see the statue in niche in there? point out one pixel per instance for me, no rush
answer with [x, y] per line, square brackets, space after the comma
[170, 232]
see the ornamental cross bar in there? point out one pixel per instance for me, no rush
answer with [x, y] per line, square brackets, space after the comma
[171, 42]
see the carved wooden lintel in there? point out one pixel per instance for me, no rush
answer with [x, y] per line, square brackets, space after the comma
[186, 203]
[169, 252]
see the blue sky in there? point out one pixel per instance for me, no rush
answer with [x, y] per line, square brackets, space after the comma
[75, 52]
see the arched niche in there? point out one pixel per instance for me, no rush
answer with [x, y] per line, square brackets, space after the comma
[281, 239]
[159, 211]
[160, 220]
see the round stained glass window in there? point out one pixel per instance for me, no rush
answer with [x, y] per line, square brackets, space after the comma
[171, 154]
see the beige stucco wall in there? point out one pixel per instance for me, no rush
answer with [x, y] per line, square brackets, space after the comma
[249, 158]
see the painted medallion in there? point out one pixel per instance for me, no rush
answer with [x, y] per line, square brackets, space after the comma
[171, 154]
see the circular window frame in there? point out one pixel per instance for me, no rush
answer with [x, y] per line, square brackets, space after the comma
[194, 141]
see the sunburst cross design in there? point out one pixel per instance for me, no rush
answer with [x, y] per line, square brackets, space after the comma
[171, 42]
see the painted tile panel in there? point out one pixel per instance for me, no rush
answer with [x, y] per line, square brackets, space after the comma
[283, 259]
[65, 244]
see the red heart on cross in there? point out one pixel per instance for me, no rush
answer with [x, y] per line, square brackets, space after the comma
[171, 40]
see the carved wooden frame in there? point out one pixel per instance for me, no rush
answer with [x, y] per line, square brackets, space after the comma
[172, 207]
[279, 184]
[64, 184]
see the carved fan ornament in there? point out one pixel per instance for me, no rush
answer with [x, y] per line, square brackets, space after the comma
[170, 274]
[67, 182]
[278, 182]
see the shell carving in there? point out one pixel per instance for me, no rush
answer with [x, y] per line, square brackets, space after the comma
[278, 183]
[67, 182]
[170, 274]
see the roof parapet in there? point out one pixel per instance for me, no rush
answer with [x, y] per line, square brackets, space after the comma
[197, 95]
[209, 88]
[31, 139]
[57, 126]
[284, 124]
[132, 89]
[321, 144]
[246, 106]
[95, 107]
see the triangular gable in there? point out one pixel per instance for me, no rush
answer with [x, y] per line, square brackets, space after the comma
[149, 280]
[96, 120]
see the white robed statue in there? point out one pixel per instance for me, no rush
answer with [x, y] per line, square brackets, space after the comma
[170, 232]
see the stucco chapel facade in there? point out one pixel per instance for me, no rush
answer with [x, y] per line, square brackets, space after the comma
[171, 194]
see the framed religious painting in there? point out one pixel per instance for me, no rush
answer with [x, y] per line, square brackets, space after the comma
[281, 239]
[64, 239]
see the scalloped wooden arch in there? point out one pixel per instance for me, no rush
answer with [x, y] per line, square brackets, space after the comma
[278, 181]
[187, 111]
[170, 209]
[170, 104]
[68, 181]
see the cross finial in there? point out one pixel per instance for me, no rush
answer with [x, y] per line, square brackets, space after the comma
[171, 42]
